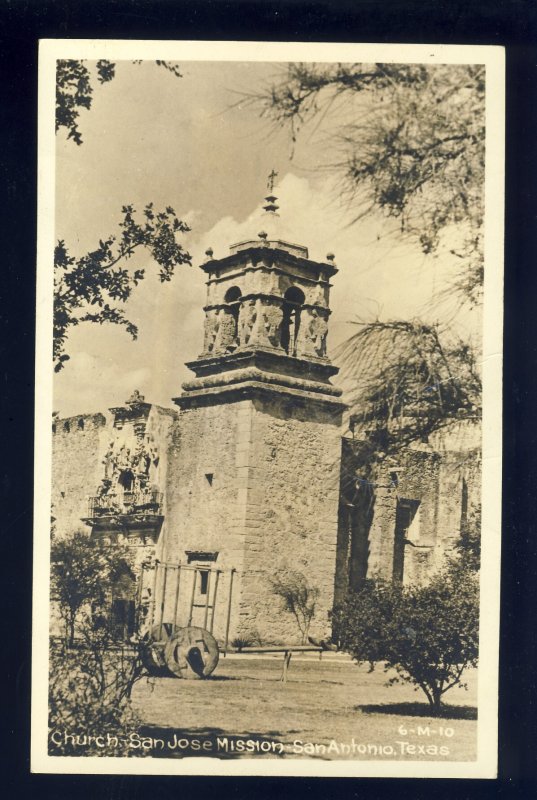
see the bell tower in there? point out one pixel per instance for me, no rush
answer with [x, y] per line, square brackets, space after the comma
[256, 474]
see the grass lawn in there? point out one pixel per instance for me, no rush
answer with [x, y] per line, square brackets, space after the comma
[323, 702]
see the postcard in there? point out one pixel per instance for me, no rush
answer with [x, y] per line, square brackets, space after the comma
[268, 428]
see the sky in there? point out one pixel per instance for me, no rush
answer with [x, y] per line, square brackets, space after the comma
[196, 143]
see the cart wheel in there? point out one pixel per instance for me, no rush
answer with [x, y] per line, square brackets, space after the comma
[154, 644]
[191, 653]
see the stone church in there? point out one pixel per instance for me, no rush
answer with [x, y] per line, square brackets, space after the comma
[254, 475]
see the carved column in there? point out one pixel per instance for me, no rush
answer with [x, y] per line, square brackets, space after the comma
[269, 323]
[210, 331]
[313, 332]
[248, 322]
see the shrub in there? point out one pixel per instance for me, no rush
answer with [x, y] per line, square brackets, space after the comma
[90, 689]
[298, 598]
[427, 634]
[83, 572]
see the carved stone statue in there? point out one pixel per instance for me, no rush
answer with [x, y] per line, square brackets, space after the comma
[108, 462]
[128, 467]
[136, 397]
[146, 463]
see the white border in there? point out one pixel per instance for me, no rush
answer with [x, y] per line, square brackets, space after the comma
[493, 57]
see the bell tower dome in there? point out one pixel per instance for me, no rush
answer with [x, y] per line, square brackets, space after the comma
[266, 318]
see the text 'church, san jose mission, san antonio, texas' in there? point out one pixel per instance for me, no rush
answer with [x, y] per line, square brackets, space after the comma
[255, 473]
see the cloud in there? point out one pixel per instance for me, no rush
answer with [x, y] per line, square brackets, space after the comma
[379, 276]
[86, 371]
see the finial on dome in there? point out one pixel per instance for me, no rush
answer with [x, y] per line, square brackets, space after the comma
[330, 257]
[271, 205]
[270, 182]
[262, 235]
[209, 252]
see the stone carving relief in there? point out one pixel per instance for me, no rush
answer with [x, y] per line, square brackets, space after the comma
[212, 326]
[270, 328]
[226, 340]
[317, 331]
[129, 465]
[260, 322]
[247, 320]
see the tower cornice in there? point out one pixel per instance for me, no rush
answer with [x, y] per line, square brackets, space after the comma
[257, 253]
[267, 359]
[252, 389]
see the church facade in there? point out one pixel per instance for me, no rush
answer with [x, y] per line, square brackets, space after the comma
[253, 478]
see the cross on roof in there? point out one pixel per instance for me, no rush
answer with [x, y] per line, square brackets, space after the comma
[270, 182]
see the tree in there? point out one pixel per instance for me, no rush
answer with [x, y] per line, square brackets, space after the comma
[99, 280]
[89, 289]
[411, 142]
[427, 634]
[403, 384]
[298, 598]
[74, 89]
[90, 686]
[83, 572]
[90, 691]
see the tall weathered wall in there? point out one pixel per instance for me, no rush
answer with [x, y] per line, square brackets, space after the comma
[257, 482]
[202, 501]
[292, 462]
[441, 487]
[78, 463]
[77, 447]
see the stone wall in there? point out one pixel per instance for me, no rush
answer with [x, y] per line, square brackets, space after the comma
[79, 448]
[202, 502]
[255, 485]
[438, 491]
[256, 481]
[77, 444]
[291, 463]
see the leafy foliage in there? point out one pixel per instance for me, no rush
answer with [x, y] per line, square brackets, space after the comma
[298, 598]
[246, 637]
[83, 572]
[403, 385]
[89, 289]
[412, 143]
[74, 89]
[89, 691]
[427, 634]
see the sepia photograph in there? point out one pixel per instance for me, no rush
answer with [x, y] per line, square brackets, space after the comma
[268, 427]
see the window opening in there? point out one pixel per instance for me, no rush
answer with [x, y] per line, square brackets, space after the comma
[200, 555]
[405, 513]
[293, 301]
[204, 580]
[126, 480]
[232, 297]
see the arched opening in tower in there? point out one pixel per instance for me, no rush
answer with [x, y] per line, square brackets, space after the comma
[293, 300]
